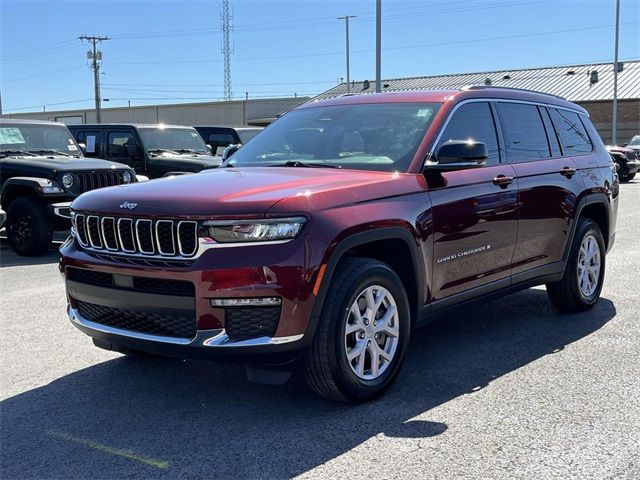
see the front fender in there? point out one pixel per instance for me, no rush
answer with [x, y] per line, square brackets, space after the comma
[42, 187]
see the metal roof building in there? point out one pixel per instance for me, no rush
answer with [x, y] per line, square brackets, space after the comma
[588, 85]
[576, 83]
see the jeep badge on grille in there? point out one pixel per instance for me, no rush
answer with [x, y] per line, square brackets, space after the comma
[128, 205]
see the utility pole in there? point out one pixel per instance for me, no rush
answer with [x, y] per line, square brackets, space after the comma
[614, 127]
[95, 56]
[346, 24]
[227, 27]
[378, 43]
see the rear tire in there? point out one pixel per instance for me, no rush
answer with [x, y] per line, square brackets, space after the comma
[29, 227]
[355, 358]
[581, 284]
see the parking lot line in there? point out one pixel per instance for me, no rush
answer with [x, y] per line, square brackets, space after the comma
[160, 464]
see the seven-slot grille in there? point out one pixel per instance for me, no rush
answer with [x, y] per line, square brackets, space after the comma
[98, 179]
[137, 236]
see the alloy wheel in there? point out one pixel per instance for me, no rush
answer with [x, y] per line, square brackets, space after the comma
[589, 264]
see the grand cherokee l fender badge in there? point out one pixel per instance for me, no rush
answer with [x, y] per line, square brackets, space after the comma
[128, 205]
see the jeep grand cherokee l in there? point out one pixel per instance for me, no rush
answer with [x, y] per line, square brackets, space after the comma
[41, 171]
[341, 227]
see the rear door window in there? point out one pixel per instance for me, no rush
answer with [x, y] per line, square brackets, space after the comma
[573, 135]
[92, 142]
[473, 121]
[524, 134]
[117, 144]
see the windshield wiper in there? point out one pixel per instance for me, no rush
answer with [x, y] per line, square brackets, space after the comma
[49, 150]
[298, 163]
[8, 153]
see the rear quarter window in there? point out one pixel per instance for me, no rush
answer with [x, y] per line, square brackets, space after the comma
[573, 135]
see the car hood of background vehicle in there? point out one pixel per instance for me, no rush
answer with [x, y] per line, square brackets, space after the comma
[200, 160]
[248, 191]
[50, 165]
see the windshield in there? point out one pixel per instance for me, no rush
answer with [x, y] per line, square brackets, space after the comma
[635, 140]
[247, 134]
[381, 137]
[175, 139]
[32, 138]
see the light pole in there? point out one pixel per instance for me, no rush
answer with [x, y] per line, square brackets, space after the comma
[378, 44]
[614, 127]
[346, 23]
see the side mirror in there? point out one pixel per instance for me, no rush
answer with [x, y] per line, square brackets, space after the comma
[209, 149]
[83, 148]
[458, 155]
[624, 144]
[133, 151]
[230, 150]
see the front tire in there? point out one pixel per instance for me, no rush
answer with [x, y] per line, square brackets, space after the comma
[581, 284]
[29, 227]
[362, 335]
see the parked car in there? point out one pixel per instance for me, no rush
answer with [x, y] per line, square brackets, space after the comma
[155, 150]
[42, 170]
[627, 161]
[341, 227]
[218, 138]
[634, 144]
[3, 217]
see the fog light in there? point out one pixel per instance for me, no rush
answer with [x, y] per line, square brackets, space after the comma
[246, 302]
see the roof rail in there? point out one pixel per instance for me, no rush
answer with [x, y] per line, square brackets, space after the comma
[484, 87]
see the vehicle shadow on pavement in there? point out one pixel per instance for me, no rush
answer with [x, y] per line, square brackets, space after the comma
[10, 259]
[143, 418]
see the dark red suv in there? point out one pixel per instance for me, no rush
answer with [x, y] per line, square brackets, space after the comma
[334, 232]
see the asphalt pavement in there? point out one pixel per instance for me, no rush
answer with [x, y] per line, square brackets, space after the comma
[507, 389]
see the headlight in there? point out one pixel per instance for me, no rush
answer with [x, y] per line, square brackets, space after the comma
[67, 180]
[268, 230]
[127, 177]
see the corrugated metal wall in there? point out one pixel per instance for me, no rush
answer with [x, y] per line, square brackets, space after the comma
[233, 113]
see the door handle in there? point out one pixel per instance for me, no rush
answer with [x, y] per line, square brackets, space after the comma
[502, 181]
[568, 172]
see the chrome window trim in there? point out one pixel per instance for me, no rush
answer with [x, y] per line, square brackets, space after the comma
[104, 237]
[133, 238]
[499, 125]
[88, 230]
[173, 238]
[137, 237]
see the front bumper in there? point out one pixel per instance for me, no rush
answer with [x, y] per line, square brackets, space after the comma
[214, 275]
[633, 166]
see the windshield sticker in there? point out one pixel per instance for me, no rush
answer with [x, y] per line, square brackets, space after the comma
[424, 112]
[10, 136]
[73, 148]
[91, 144]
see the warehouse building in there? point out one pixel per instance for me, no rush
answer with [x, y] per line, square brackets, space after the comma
[588, 85]
[257, 112]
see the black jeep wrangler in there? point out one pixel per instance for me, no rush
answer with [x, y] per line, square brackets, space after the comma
[42, 170]
[154, 150]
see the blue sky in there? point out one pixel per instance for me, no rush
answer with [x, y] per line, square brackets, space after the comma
[169, 51]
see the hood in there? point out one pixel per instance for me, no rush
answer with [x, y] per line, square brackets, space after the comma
[54, 164]
[251, 191]
[614, 148]
[201, 161]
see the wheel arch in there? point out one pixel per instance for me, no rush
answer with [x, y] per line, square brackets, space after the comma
[395, 246]
[21, 186]
[595, 206]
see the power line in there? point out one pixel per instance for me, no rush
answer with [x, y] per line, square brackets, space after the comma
[43, 74]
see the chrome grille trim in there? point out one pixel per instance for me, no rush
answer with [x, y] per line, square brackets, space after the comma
[121, 221]
[80, 218]
[94, 242]
[142, 238]
[186, 224]
[104, 236]
[140, 223]
[173, 238]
